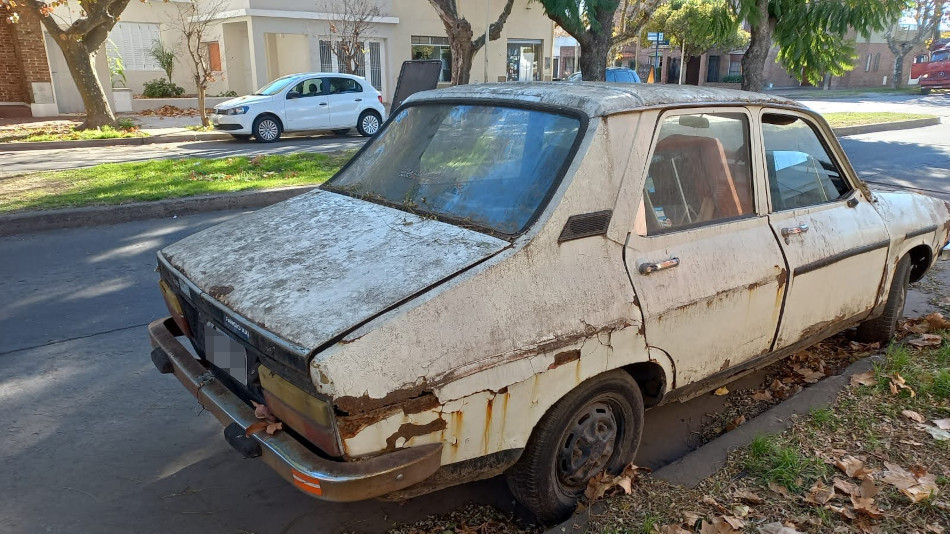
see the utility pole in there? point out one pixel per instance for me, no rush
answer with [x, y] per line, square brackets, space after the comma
[487, 28]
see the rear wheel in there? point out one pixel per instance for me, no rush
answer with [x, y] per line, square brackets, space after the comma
[882, 329]
[594, 428]
[266, 129]
[368, 123]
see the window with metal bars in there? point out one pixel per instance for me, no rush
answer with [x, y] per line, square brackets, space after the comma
[326, 57]
[375, 66]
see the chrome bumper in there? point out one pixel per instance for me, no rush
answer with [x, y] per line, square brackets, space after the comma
[316, 476]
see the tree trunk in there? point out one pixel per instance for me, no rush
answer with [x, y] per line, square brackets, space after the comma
[683, 63]
[593, 60]
[202, 111]
[463, 52]
[82, 67]
[898, 80]
[753, 62]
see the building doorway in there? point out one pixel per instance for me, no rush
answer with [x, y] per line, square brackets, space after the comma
[712, 69]
[524, 58]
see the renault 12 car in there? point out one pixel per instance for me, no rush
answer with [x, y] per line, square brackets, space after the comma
[300, 103]
[506, 276]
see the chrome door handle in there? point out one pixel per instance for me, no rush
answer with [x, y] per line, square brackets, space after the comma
[800, 229]
[647, 268]
[323, 103]
[359, 99]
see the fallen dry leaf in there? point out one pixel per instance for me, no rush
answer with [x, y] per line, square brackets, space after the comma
[721, 391]
[732, 521]
[864, 379]
[741, 510]
[916, 488]
[868, 488]
[866, 506]
[934, 528]
[942, 424]
[937, 433]
[898, 383]
[734, 424]
[819, 493]
[937, 321]
[843, 510]
[913, 416]
[853, 467]
[760, 396]
[671, 529]
[781, 490]
[846, 487]
[747, 496]
[926, 340]
[777, 528]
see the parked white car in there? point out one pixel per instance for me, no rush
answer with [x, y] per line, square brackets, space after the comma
[507, 276]
[303, 102]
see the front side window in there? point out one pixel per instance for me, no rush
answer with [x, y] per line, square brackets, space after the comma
[699, 173]
[485, 166]
[801, 171]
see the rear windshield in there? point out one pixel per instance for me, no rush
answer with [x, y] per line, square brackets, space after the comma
[488, 167]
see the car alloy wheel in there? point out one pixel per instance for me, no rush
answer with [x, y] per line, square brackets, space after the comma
[369, 124]
[268, 130]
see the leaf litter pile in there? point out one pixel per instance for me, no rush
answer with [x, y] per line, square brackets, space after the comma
[877, 461]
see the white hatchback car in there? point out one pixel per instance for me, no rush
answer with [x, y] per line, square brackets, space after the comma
[303, 102]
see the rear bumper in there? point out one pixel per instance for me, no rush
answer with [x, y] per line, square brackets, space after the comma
[318, 477]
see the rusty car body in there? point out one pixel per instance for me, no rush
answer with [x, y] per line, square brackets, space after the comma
[507, 275]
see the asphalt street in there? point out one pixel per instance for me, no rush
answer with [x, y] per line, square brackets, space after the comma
[95, 440]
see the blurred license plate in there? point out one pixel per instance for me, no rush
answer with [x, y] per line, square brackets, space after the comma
[226, 353]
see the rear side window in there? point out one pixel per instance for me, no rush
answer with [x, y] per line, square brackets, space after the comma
[801, 171]
[340, 86]
[699, 173]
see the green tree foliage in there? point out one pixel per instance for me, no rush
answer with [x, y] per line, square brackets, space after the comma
[698, 26]
[810, 34]
[599, 25]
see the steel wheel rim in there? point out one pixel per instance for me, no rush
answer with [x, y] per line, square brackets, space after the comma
[588, 445]
[370, 124]
[267, 129]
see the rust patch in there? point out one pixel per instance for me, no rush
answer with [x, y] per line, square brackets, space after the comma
[423, 402]
[817, 328]
[565, 357]
[351, 425]
[487, 432]
[365, 403]
[782, 278]
[409, 430]
[220, 291]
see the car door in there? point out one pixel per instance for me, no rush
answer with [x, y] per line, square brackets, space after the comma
[707, 271]
[834, 241]
[345, 99]
[305, 106]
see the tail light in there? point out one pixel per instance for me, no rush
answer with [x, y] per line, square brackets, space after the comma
[174, 308]
[380, 97]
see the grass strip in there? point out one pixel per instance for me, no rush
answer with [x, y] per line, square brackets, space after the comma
[858, 118]
[67, 132]
[120, 183]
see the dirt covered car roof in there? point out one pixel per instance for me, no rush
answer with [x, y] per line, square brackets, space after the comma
[598, 98]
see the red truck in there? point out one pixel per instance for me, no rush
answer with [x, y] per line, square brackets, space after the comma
[933, 74]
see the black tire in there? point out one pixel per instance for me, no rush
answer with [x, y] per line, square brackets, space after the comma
[267, 128]
[368, 123]
[882, 329]
[241, 137]
[553, 471]
[341, 131]
[925, 90]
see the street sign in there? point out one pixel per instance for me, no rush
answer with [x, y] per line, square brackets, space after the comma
[654, 36]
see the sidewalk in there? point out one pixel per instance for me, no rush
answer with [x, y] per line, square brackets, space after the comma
[159, 129]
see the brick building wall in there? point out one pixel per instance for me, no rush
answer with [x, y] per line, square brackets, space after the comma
[22, 58]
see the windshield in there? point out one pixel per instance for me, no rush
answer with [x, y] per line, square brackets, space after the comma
[275, 86]
[942, 55]
[485, 166]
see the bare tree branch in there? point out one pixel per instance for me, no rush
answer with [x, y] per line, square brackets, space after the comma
[352, 21]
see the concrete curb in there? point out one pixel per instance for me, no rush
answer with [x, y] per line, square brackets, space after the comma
[705, 461]
[119, 141]
[886, 126]
[39, 221]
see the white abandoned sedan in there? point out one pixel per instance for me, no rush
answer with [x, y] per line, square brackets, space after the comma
[507, 275]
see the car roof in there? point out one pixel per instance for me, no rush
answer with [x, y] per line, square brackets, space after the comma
[600, 98]
[335, 74]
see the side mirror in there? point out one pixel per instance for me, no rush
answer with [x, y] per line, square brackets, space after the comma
[292, 95]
